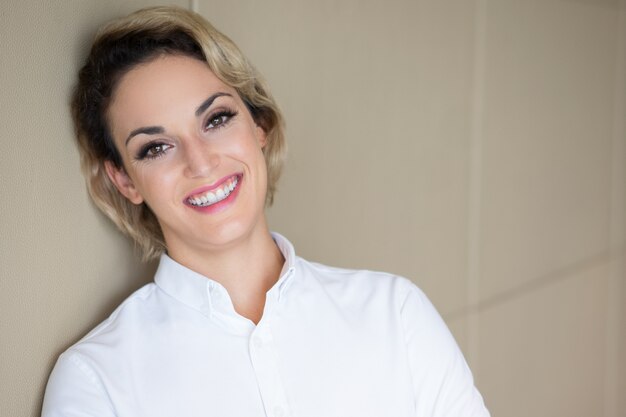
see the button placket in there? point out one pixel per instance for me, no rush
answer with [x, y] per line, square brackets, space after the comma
[264, 362]
[279, 411]
[257, 342]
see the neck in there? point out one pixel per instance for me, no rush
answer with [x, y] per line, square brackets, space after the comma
[247, 269]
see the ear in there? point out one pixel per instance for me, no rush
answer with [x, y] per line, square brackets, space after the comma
[261, 136]
[123, 183]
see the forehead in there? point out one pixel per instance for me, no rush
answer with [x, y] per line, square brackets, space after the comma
[164, 85]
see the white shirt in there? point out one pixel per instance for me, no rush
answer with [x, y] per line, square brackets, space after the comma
[331, 343]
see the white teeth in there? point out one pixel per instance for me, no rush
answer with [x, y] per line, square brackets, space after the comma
[214, 197]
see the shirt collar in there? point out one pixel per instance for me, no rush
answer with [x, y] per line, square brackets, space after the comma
[195, 290]
[286, 248]
[183, 284]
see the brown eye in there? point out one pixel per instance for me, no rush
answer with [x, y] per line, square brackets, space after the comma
[152, 151]
[155, 150]
[220, 119]
[217, 121]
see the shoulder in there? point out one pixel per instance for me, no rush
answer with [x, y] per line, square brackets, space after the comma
[76, 381]
[129, 320]
[363, 284]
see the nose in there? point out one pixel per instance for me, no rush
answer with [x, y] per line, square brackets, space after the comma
[200, 160]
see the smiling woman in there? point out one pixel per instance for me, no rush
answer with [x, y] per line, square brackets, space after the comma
[182, 146]
[192, 153]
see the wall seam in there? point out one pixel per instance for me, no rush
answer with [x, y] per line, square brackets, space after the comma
[617, 226]
[534, 285]
[194, 6]
[475, 183]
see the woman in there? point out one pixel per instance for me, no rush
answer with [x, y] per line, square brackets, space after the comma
[181, 146]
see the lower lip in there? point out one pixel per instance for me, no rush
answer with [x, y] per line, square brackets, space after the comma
[222, 205]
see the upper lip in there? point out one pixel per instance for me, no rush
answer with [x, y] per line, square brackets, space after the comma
[209, 187]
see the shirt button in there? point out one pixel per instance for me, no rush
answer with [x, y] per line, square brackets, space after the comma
[279, 411]
[257, 342]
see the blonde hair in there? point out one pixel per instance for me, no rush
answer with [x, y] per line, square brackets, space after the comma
[139, 37]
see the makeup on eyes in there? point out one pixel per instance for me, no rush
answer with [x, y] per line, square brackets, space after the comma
[157, 146]
[222, 116]
[217, 119]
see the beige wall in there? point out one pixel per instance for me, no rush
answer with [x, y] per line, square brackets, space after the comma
[477, 147]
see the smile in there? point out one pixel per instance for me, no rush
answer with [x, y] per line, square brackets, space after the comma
[214, 195]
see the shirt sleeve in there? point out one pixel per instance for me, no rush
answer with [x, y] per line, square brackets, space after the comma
[74, 390]
[442, 382]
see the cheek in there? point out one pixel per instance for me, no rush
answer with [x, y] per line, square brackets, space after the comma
[248, 150]
[156, 184]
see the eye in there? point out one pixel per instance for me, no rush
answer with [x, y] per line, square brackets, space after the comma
[152, 150]
[219, 119]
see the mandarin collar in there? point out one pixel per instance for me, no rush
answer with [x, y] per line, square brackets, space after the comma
[205, 294]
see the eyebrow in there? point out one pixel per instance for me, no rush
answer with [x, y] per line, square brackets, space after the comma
[149, 130]
[207, 103]
[154, 130]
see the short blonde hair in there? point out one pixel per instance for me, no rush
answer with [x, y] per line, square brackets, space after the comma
[137, 38]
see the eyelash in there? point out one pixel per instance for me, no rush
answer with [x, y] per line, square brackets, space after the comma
[144, 152]
[224, 116]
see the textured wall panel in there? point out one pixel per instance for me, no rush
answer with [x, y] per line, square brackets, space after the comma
[548, 117]
[63, 267]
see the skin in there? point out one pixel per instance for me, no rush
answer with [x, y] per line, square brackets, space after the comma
[177, 146]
